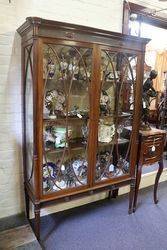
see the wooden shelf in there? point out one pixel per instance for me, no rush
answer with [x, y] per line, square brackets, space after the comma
[72, 146]
[74, 80]
[63, 119]
[122, 115]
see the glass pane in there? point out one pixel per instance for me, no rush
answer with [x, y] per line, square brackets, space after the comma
[29, 113]
[116, 111]
[67, 72]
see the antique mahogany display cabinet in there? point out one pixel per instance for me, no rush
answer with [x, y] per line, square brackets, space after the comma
[81, 89]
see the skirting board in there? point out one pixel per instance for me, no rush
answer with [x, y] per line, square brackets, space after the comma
[146, 180]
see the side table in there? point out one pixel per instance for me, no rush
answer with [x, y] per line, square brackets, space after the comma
[150, 151]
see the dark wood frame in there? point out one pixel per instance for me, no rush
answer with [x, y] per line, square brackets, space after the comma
[144, 15]
[35, 31]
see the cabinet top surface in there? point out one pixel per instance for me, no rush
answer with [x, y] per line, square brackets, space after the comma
[44, 23]
[153, 131]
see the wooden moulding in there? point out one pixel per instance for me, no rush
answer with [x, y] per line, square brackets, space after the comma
[38, 27]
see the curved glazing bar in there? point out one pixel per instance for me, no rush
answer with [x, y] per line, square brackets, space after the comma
[67, 73]
[29, 114]
[117, 97]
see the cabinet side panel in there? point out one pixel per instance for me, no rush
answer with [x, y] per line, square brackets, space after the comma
[28, 115]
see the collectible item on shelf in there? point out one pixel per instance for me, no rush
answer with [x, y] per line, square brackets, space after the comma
[75, 111]
[80, 166]
[69, 175]
[110, 76]
[63, 68]
[106, 169]
[74, 171]
[122, 167]
[85, 132]
[119, 168]
[55, 137]
[148, 94]
[119, 130]
[60, 134]
[51, 68]
[55, 102]
[49, 137]
[74, 69]
[104, 103]
[125, 167]
[106, 132]
[50, 171]
[104, 165]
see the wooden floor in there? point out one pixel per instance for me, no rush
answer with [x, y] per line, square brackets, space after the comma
[19, 238]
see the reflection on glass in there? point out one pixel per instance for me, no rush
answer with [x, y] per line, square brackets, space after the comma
[66, 73]
[29, 114]
[118, 77]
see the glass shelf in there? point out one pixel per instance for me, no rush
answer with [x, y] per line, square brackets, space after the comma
[63, 118]
[118, 141]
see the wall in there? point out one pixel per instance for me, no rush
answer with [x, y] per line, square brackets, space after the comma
[104, 14]
[156, 4]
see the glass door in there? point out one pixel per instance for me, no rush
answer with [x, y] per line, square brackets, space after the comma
[66, 74]
[29, 115]
[116, 104]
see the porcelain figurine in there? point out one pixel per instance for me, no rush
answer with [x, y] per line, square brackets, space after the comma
[54, 102]
[80, 167]
[104, 103]
[69, 176]
[51, 68]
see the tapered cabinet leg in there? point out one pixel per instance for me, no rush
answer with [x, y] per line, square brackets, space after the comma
[27, 201]
[138, 179]
[37, 221]
[115, 193]
[109, 194]
[131, 197]
[160, 169]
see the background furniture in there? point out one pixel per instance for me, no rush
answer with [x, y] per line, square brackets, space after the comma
[151, 147]
[81, 87]
[162, 107]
